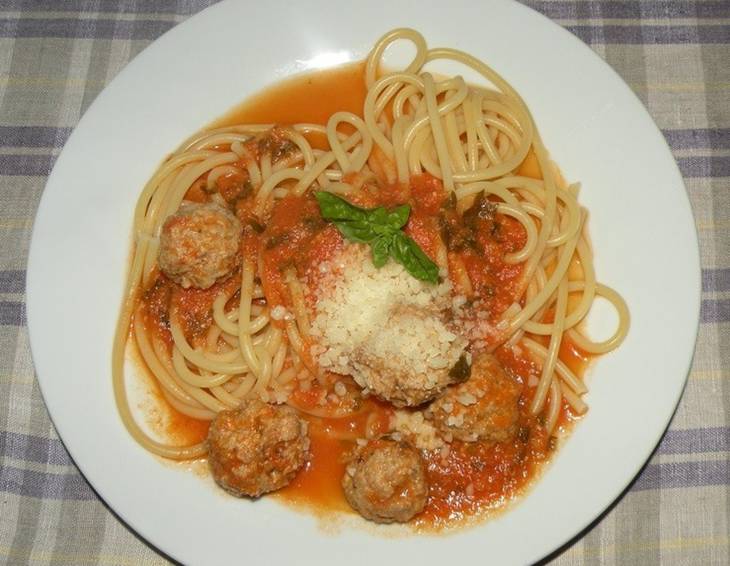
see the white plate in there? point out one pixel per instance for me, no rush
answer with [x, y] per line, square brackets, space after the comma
[599, 133]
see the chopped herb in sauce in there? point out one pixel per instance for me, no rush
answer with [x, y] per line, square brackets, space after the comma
[276, 240]
[461, 370]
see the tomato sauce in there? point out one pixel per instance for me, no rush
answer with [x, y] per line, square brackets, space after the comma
[310, 98]
[474, 478]
[194, 308]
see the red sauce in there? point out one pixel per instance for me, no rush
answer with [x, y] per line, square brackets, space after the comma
[310, 98]
[474, 478]
[185, 430]
[295, 237]
[175, 426]
[477, 478]
[313, 486]
[428, 195]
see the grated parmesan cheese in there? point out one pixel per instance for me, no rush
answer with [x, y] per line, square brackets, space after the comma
[278, 313]
[414, 427]
[466, 399]
[385, 328]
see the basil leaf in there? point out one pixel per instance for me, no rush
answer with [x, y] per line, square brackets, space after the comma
[360, 224]
[381, 250]
[381, 228]
[357, 231]
[393, 219]
[333, 207]
[406, 252]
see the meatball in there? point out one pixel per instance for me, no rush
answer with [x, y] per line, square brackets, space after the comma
[199, 244]
[397, 384]
[256, 448]
[386, 481]
[410, 360]
[485, 407]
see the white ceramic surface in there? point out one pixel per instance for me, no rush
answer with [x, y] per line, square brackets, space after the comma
[641, 225]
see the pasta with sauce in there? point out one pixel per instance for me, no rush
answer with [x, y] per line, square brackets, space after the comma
[416, 270]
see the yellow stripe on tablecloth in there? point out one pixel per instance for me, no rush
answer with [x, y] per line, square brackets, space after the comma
[708, 374]
[679, 87]
[55, 557]
[16, 223]
[709, 226]
[49, 81]
[673, 544]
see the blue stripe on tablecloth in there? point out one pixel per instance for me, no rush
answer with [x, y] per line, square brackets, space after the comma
[683, 474]
[703, 166]
[701, 138]
[714, 280]
[45, 485]
[648, 34]
[12, 313]
[617, 9]
[65, 485]
[14, 165]
[84, 28]
[633, 10]
[12, 281]
[33, 136]
[151, 29]
[31, 448]
[140, 6]
[42, 136]
[715, 310]
[695, 440]
[26, 165]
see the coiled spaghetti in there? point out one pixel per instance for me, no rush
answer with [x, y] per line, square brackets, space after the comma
[473, 139]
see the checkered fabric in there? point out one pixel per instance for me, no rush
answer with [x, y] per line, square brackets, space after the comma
[55, 57]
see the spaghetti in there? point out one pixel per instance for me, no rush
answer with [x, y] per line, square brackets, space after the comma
[477, 143]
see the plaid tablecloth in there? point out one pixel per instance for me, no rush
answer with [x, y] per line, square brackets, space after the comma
[55, 57]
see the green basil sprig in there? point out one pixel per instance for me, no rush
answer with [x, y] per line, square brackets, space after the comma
[382, 230]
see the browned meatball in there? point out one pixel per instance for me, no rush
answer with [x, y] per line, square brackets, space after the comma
[386, 481]
[410, 360]
[256, 448]
[391, 380]
[482, 408]
[199, 244]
